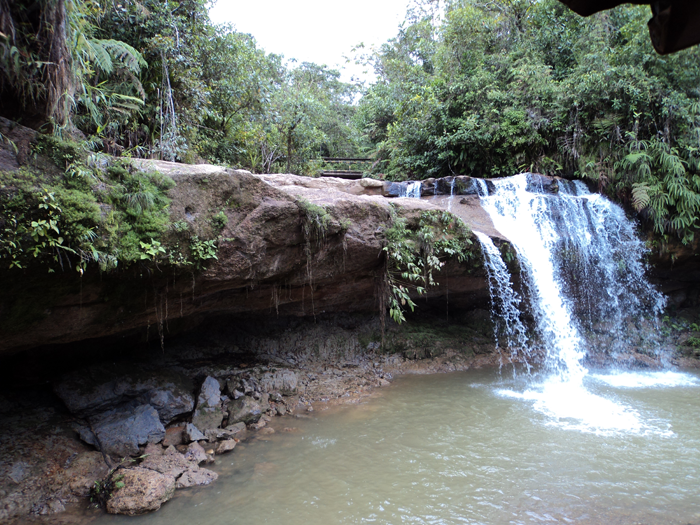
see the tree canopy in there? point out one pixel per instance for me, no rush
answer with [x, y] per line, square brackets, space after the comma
[466, 87]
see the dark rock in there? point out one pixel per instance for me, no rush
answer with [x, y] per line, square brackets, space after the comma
[192, 433]
[144, 491]
[205, 418]
[537, 183]
[236, 428]
[208, 413]
[246, 410]
[91, 391]
[119, 432]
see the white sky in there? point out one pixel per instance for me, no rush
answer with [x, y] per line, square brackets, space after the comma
[320, 31]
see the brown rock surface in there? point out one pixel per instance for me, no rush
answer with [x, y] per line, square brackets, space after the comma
[261, 268]
[144, 491]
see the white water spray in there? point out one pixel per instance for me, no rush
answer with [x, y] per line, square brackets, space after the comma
[411, 190]
[581, 267]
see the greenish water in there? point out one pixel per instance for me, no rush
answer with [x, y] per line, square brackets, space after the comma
[469, 448]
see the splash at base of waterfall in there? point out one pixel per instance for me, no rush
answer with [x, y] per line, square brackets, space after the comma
[581, 269]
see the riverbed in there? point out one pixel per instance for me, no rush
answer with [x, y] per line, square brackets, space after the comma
[468, 447]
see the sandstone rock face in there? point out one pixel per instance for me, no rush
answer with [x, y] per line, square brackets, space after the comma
[263, 251]
[144, 491]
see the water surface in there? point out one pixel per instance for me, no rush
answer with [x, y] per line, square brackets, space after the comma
[468, 448]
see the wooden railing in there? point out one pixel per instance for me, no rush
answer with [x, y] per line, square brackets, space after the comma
[343, 174]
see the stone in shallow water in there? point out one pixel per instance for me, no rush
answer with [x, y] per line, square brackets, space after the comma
[226, 446]
[196, 453]
[144, 491]
[195, 477]
[121, 431]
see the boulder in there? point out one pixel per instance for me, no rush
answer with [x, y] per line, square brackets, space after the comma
[196, 477]
[172, 464]
[91, 391]
[282, 381]
[119, 432]
[144, 491]
[192, 433]
[245, 410]
[208, 413]
[226, 446]
[236, 428]
[196, 453]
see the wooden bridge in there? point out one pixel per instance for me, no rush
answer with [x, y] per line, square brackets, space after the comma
[343, 174]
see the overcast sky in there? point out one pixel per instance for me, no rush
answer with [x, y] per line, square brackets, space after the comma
[320, 31]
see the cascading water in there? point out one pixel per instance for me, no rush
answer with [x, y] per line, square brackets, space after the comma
[411, 190]
[582, 271]
[506, 301]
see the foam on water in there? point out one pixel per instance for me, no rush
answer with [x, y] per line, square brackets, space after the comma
[571, 406]
[656, 379]
[582, 270]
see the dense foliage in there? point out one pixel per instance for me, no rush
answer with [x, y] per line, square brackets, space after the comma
[496, 88]
[467, 87]
[157, 79]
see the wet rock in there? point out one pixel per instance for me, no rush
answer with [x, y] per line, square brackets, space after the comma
[267, 430]
[119, 432]
[236, 428]
[144, 491]
[282, 381]
[91, 391]
[219, 434]
[174, 436]
[192, 433]
[196, 477]
[208, 413]
[226, 446]
[246, 410]
[195, 453]
[257, 425]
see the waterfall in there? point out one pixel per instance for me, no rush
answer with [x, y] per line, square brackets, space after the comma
[411, 189]
[452, 194]
[582, 278]
[506, 301]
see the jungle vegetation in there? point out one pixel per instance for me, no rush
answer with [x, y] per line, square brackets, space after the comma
[466, 87]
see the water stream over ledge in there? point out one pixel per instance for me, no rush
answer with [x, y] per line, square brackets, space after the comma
[452, 449]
